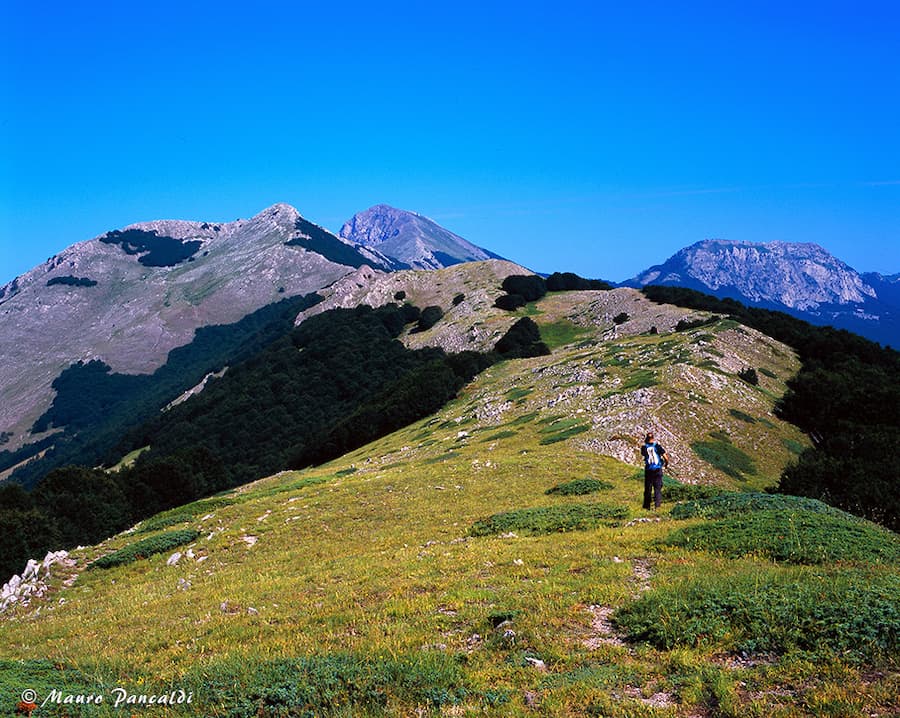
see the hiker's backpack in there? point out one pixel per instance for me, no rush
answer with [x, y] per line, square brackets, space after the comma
[653, 458]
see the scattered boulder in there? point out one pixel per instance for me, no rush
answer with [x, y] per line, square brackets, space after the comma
[33, 583]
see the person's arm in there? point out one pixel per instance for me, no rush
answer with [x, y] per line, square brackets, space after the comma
[665, 457]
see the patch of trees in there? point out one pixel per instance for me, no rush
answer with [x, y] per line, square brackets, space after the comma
[71, 281]
[521, 289]
[846, 397]
[78, 505]
[568, 281]
[155, 250]
[315, 239]
[429, 317]
[523, 340]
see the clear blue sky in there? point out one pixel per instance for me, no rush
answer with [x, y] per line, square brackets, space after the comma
[598, 137]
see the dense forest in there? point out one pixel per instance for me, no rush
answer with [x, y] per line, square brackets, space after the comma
[846, 397]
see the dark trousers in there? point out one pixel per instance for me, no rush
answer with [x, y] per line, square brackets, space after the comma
[653, 482]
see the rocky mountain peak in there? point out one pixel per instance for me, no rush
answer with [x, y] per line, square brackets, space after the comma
[799, 276]
[410, 238]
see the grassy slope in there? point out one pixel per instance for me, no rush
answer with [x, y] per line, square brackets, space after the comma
[370, 553]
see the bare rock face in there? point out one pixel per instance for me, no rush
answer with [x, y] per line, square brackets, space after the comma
[799, 276]
[130, 296]
[802, 279]
[409, 238]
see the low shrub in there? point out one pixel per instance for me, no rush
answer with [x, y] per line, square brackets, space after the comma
[730, 503]
[738, 414]
[565, 433]
[182, 514]
[851, 611]
[505, 434]
[146, 547]
[550, 519]
[685, 324]
[676, 491]
[579, 487]
[330, 685]
[791, 536]
[164, 521]
[726, 457]
[749, 375]
[621, 318]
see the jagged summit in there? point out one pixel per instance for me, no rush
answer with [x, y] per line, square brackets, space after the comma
[410, 238]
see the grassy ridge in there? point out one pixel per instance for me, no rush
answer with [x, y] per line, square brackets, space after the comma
[354, 588]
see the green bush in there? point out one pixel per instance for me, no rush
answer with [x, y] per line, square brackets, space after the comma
[790, 536]
[726, 457]
[336, 684]
[182, 514]
[565, 433]
[550, 519]
[851, 611]
[146, 547]
[164, 521]
[579, 487]
[738, 414]
[506, 434]
[676, 491]
[749, 375]
[730, 503]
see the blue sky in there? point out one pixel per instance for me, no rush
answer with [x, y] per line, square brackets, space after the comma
[592, 137]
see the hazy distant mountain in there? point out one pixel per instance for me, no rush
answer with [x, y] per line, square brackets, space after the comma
[409, 238]
[130, 296]
[802, 279]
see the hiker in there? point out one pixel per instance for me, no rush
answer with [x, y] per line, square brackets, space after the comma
[655, 461]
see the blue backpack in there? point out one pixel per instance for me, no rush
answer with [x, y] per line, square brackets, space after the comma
[653, 455]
